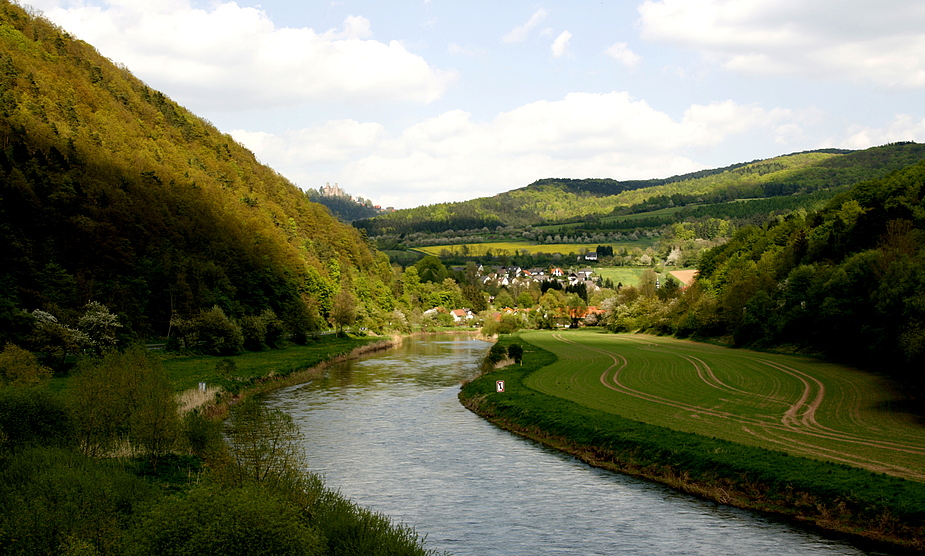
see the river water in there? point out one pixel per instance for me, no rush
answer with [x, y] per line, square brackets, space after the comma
[388, 431]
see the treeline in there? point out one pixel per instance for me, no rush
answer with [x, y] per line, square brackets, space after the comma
[747, 209]
[775, 179]
[111, 192]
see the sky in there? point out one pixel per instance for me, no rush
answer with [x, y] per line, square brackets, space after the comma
[410, 103]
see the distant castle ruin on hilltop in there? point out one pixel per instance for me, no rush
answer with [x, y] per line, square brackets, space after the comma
[336, 191]
[327, 190]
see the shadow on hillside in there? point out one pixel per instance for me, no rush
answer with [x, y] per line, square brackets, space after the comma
[914, 406]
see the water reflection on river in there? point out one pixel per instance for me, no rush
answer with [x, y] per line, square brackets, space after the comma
[389, 433]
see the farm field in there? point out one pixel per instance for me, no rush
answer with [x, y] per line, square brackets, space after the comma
[516, 247]
[626, 275]
[660, 213]
[796, 405]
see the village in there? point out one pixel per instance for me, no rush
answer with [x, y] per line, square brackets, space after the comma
[515, 278]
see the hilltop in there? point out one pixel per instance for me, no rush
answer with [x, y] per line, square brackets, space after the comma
[557, 200]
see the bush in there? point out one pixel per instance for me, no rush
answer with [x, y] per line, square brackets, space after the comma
[216, 334]
[20, 367]
[29, 416]
[54, 500]
[254, 332]
[203, 435]
[275, 329]
[350, 529]
[210, 520]
[515, 352]
[124, 396]
[496, 354]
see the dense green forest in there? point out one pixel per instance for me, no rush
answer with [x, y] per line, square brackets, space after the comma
[111, 192]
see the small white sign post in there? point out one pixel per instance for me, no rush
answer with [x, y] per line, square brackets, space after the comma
[499, 385]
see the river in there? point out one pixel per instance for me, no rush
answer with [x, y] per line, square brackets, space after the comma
[388, 432]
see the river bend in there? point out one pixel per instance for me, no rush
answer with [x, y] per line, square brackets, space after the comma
[388, 431]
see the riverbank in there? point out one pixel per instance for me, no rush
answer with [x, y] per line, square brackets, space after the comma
[211, 384]
[866, 506]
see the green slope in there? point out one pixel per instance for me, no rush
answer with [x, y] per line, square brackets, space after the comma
[110, 191]
[559, 200]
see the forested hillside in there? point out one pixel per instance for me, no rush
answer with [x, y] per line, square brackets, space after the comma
[593, 200]
[847, 281]
[111, 192]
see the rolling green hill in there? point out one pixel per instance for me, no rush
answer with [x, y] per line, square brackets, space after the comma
[549, 201]
[111, 192]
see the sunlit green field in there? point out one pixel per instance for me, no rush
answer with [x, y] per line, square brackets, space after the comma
[660, 213]
[797, 405]
[517, 247]
[626, 275]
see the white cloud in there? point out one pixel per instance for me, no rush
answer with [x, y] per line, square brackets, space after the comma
[882, 44]
[581, 135]
[521, 32]
[333, 141]
[903, 128]
[231, 57]
[622, 53]
[560, 45]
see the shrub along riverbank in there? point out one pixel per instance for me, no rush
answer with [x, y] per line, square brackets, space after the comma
[830, 496]
[120, 472]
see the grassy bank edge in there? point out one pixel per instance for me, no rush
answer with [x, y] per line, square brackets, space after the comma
[276, 380]
[866, 506]
[259, 372]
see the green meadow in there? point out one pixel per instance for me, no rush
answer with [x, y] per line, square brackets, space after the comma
[186, 372]
[797, 405]
[626, 275]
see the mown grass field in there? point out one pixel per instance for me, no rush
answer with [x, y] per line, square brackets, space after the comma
[800, 406]
[516, 247]
[626, 275]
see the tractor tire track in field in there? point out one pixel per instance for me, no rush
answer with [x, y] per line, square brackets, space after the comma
[816, 451]
[812, 427]
[613, 382]
[798, 418]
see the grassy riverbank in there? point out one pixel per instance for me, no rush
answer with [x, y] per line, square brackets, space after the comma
[228, 379]
[228, 477]
[828, 495]
[187, 372]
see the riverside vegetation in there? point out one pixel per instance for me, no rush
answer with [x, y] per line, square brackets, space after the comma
[581, 415]
[109, 466]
